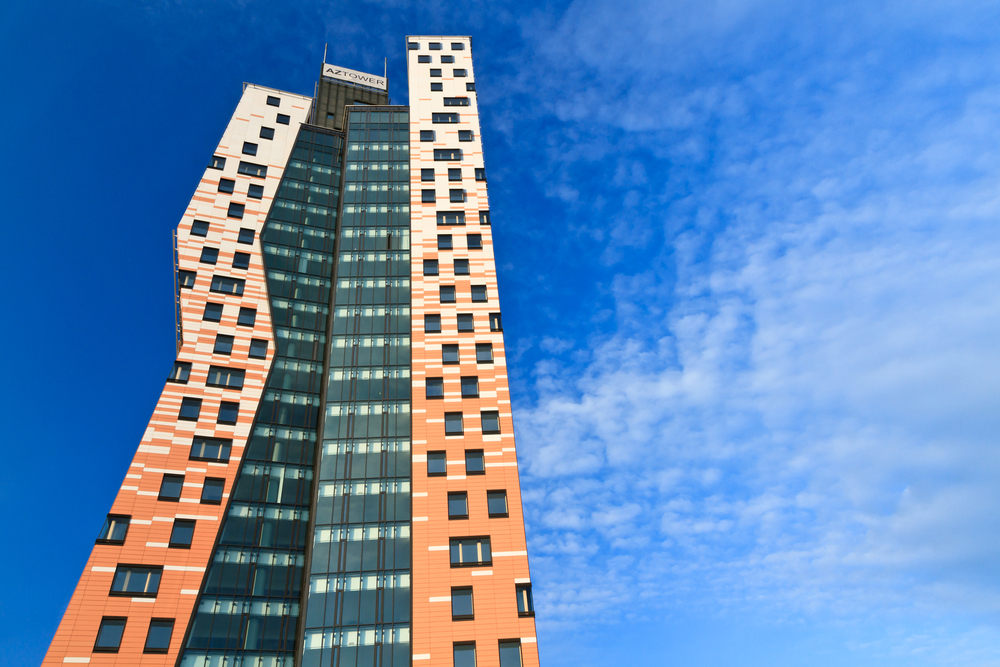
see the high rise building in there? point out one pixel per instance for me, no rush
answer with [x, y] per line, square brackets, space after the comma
[329, 477]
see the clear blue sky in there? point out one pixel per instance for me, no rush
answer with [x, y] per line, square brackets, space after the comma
[749, 257]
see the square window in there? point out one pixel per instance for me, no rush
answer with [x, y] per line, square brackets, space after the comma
[282, 119]
[461, 267]
[436, 86]
[455, 174]
[158, 636]
[465, 322]
[480, 174]
[430, 267]
[491, 421]
[510, 653]
[475, 241]
[182, 534]
[525, 606]
[249, 148]
[479, 293]
[258, 349]
[423, 59]
[444, 117]
[170, 488]
[210, 449]
[432, 324]
[448, 59]
[241, 260]
[435, 388]
[449, 354]
[255, 191]
[453, 423]
[246, 236]
[267, 133]
[474, 463]
[471, 86]
[229, 411]
[470, 551]
[273, 101]
[251, 169]
[465, 654]
[457, 46]
[459, 73]
[226, 285]
[496, 324]
[427, 196]
[247, 317]
[484, 353]
[470, 386]
[413, 46]
[461, 603]
[190, 409]
[114, 529]
[458, 505]
[435, 72]
[217, 162]
[496, 503]
[199, 228]
[223, 344]
[213, 312]
[211, 492]
[236, 210]
[136, 580]
[444, 241]
[465, 135]
[456, 196]
[180, 372]
[220, 376]
[227, 185]
[437, 464]
[426, 174]
[209, 255]
[109, 635]
[447, 293]
[426, 135]
[484, 218]
[434, 46]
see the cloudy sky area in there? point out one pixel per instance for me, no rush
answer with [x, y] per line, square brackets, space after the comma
[749, 259]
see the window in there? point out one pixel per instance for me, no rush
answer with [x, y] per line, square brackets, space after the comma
[471, 86]
[525, 607]
[458, 505]
[461, 267]
[273, 101]
[247, 317]
[434, 46]
[475, 241]
[267, 133]
[437, 464]
[470, 551]
[211, 449]
[209, 255]
[226, 285]
[447, 154]
[444, 241]
[435, 72]
[190, 409]
[199, 228]
[496, 503]
[444, 117]
[456, 101]
[258, 349]
[453, 423]
[457, 46]
[448, 59]
[228, 412]
[470, 386]
[447, 294]
[465, 135]
[432, 324]
[246, 236]
[109, 635]
[427, 196]
[185, 279]
[454, 174]
[436, 87]
[241, 260]
[510, 653]
[413, 46]
[220, 376]
[249, 148]
[282, 119]
[136, 580]
[465, 322]
[491, 421]
[480, 174]
[479, 293]
[211, 492]
[423, 59]
[457, 196]
[465, 654]
[435, 388]
[474, 464]
[426, 135]
[158, 636]
[449, 354]
[430, 267]
[255, 191]
[495, 322]
[180, 372]
[170, 488]
[182, 534]
[461, 603]
[426, 174]
[484, 353]
[223, 344]
[213, 312]
[236, 210]
[251, 169]
[484, 218]
[217, 162]
[459, 73]
[114, 529]
[227, 185]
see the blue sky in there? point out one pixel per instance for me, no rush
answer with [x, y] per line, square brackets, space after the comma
[749, 259]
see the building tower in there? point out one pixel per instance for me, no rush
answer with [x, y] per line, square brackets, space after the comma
[329, 477]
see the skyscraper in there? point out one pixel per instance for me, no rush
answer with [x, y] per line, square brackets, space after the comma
[329, 476]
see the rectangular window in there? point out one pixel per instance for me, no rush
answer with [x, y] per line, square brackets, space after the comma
[453, 217]
[190, 409]
[444, 117]
[227, 285]
[217, 162]
[229, 411]
[236, 210]
[464, 654]
[457, 46]
[426, 135]
[435, 72]
[223, 344]
[479, 293]
[470, 551]
[447, 293]
[437, 464]
[496, 324]
[432, 324]
[457, 196]
[211, 449]
[453, 423]
[461, 603]
[273, 101]
[158, 636]
[267, 133]
[430, 267]
[255, 191]
[475, 241]
[282, 119]
[427, 196]
[461, 267]
[447, 154]
[525, 607]
[109, 635]
[444, 241]
[470, 386]
[213, 312]
[171, 487]
[496, 503]
[247, 317]
[182, 534]
[471, 86]
[220, 376]
[510, 653]
[426, 174]
[436, 87]
[199, 228]
[180, 372]
[459, 73]
[455, 174]
[480, 174]
[413, 46]
[241, 260]
[114, 529]
[447, 59]
[484, 218]
[491, 421]
[246, 236]
[211, 492]
[136, 580]
[484, 353]
[434, 46]
[251, 169]
[465, 135]
[209, 255]
[458, 505]
[249, 148]
[435, 388]
[456, 101]
[227, 185]
[423, 59]
[466, 322]
[474, 463]
[449, 354]
[258, 349]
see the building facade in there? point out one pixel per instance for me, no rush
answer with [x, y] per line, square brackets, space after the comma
[329, 477]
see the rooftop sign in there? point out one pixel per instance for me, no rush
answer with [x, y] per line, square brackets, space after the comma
[344, 74]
